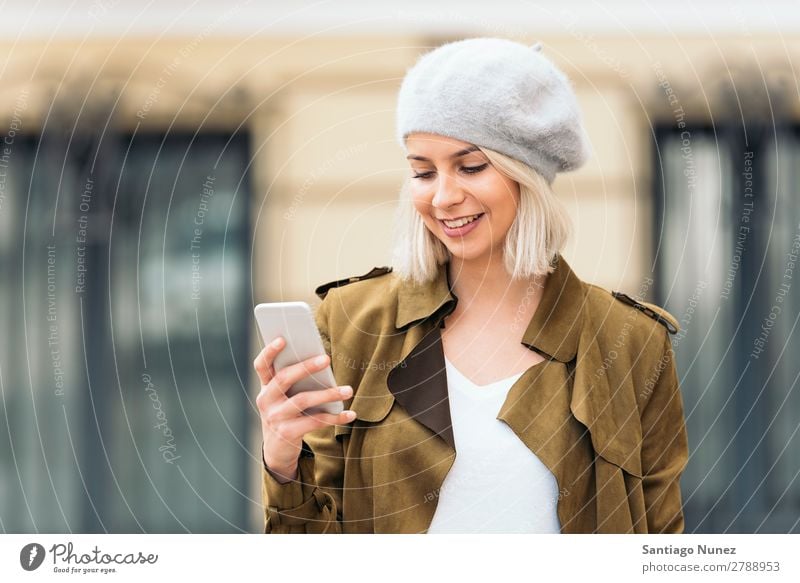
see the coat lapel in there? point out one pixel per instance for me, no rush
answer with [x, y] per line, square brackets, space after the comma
[555, 327]
[419, 382]
[420, 386]
[537, 409]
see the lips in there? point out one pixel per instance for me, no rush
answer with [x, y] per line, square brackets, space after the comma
[459, 221]
[463, 229]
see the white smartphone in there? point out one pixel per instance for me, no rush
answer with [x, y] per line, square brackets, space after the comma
[294, 321]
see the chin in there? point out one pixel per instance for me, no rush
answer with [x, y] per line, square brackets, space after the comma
[467, 254]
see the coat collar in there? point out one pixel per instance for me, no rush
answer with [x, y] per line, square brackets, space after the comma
[554, 329]
[420, 382]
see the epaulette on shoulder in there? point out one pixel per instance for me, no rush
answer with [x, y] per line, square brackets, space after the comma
[658, 313]
[322, 290]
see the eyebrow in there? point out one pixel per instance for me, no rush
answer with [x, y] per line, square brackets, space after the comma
[458, 154]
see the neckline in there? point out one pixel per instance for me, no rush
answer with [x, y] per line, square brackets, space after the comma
[492, 384]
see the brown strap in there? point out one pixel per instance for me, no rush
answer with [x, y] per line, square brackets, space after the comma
[322, 290]
[299, 515]
[660, 315]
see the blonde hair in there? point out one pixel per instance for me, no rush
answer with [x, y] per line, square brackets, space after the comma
[539, 231]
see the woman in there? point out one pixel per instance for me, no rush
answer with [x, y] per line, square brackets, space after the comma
[489, 389]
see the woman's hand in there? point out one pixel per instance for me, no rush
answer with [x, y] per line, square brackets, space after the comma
[283, 423]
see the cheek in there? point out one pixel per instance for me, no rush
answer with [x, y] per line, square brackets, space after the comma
[421, 200]
[505, 198]
[502, 204]
[493, 188]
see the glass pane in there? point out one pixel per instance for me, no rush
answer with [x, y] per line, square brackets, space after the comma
[730, 222]
[125, 271]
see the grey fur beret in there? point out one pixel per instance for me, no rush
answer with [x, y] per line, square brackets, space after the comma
[498, 94]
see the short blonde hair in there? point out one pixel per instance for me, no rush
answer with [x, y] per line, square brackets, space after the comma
[539, 231]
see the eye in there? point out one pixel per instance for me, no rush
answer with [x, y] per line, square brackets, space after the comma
[474, 169]
[423, 175]
[464, 169]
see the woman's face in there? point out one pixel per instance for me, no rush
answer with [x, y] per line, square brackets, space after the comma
[453, 180]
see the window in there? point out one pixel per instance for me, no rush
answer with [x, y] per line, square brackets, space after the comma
[125, 299]
[727, 238]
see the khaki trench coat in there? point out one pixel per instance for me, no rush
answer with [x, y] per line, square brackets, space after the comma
[603, 411]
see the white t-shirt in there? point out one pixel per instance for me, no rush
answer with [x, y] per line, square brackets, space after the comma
[496, 484]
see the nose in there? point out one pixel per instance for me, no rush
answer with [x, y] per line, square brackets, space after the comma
[448, 191]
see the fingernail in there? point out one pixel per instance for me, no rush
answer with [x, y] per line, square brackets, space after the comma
[350, 414]
[277, 342]
[320, 360]
[346, 391]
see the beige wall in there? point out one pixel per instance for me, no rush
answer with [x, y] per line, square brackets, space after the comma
[321, 114]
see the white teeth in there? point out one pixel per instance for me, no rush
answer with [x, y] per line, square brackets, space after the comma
[461, 222]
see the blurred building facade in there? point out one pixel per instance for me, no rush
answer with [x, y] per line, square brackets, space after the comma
[285, 146]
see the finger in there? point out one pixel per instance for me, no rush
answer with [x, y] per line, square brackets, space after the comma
[264, 360]
[297, 428]
[298, 403]
[288, 376]
[275, 390]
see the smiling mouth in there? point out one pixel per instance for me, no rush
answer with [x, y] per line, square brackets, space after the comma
[460, 222]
